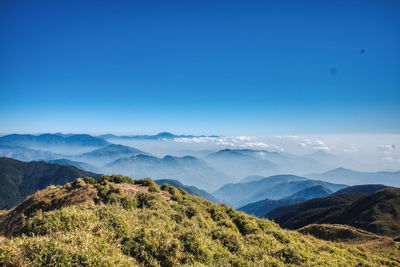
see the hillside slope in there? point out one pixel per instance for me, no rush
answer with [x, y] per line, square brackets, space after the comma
[19, 179]
[377, 213]
[110, 223]
[262, 207]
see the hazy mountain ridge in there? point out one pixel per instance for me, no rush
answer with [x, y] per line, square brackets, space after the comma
[77, 164]
[352, 177]
[162, 135]
[26, 154]
[28, 140]
[188, 170]
[262, 207]
[274, 188]
[240, 163]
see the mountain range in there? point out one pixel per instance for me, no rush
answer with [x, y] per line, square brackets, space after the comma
[273, 188]
[239, 163]
[262, 207]
[31, 141]
[107, 154]
[163, 135]
[351, 177]
[188, 170]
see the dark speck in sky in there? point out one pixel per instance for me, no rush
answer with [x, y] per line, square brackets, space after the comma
[333, 71]
[362, 51]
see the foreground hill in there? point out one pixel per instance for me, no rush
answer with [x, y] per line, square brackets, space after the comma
[316, 203]
[109, 223]
[377, 213]
[343, 233]
[19, 179]
[274, 187]
[365, 188]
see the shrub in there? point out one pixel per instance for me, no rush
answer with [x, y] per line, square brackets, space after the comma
[168, 188]
[228, 239]
[78, 183]
[246, 225]
[89, 180]
[146, 200]
[118, 179]
[153, 187]
[190, 212]
[192, 245]
[289, 255]
[150, 250]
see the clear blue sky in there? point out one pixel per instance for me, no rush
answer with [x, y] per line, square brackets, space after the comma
[205, 67]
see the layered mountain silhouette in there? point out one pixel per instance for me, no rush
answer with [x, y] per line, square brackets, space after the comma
[28, 140]
[163, 135]
[273, 188]
[26, 154]
[312, 192]
[188, 170]
[262, 207]
[239, 163]
[78, 164]
[108, 154]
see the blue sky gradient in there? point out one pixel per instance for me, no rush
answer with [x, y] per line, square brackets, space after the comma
[200, 67]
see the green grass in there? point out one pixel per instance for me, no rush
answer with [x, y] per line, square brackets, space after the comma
[129, 224]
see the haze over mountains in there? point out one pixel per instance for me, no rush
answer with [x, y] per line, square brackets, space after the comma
[350, 177]
[210, 168]
[273, 188]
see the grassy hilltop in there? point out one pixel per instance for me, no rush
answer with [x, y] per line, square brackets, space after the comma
[119, 222]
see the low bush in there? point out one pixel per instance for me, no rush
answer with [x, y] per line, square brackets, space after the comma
[153, 186]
